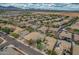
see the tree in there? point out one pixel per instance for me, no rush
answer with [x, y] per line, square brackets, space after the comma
[30, 29]
[6, 30]
[39, 44]
[15, 35]
[50, 52]
[66, 17]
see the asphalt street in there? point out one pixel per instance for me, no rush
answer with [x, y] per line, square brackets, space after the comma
[24, 48]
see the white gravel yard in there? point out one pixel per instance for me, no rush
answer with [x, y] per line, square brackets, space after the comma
[2, 41]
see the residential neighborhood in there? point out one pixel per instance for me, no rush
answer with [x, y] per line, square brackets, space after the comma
[25, 32]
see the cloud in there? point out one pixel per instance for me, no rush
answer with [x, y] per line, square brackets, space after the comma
[48, 6]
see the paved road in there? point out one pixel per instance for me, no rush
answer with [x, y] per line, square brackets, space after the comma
[58, 33]
[3, 45]
[24, 48]
[58, 38]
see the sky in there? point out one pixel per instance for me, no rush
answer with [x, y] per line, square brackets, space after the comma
[46, 6]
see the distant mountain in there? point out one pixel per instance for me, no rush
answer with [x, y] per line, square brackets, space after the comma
[9, 8]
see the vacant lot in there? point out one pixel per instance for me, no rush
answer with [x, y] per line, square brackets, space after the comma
[61, 13]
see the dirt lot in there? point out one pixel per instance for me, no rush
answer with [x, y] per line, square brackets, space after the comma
[44, 12]
[60, 13]
[69, 14]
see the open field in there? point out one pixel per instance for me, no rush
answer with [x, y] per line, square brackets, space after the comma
[42, 12]
[62, 13]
